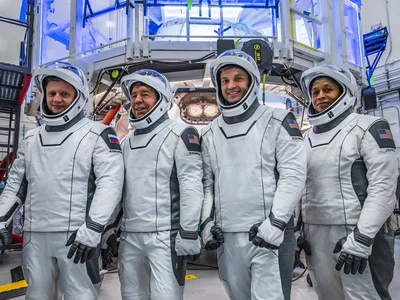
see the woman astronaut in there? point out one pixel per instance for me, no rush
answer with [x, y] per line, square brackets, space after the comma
[350, 191]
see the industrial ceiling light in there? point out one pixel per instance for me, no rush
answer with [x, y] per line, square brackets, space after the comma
[198, 106]
[195, 110]
[211, 110]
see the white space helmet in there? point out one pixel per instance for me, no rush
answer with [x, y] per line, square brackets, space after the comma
[70, 74]
[346, 100]
[246, 62]
[160, 84]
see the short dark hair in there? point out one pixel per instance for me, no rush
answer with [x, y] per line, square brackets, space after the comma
[142, 84]
[329, 78]
[50, 79]
[228, 67]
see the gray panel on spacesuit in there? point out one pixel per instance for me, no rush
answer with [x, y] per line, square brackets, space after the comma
[381, 261]
[382, 134]
[191, 138]
[359, 179]
[110, 138]
[21, 194]
[291, 126]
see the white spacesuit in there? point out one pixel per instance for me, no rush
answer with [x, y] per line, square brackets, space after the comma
[254, 174]
[350, 194]
[162, 198]
[69, 175]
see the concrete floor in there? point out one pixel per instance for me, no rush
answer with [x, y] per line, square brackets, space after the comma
[206, 286]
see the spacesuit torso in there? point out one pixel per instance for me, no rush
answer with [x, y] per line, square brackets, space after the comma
[244, 164]
[337, 160]
[60, 175]
[160, 176]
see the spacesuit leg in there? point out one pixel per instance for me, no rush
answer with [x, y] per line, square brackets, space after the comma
[247, 271]
[134, 272]
[77, 281]
[168, 271]
[40, 267]
[321, 264]
[234, 267]
[286, 259]
[374, 282]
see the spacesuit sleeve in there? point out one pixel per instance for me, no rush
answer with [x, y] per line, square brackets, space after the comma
[208, 210]
[109, 172]
[14, 194]
[379, 154]
[291, 167]
[189, 169]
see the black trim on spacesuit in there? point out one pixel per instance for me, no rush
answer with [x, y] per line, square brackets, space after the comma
[141, 147]
[244, 116]
[177, 266]
[324, 144]
[359, 179]
[65, 126]
[293, 130]
[23, 188]
[191, 139]
[152, 126]
[9, 213]
[383, 142]
[188, 235]
[105, 136]
[238, 135]
[92, 225]
[276, 222]
[332, 124]
[91, 189]
[92, 266]
[52, 145]
[362, 238]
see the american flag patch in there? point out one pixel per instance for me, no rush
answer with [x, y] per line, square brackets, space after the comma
[385, 134]
[193, 139]
[293, 124]
[113, 139]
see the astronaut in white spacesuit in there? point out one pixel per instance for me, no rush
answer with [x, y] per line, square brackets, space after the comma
[163, 193]
[69, 174]
[352, 172]
[254, 174]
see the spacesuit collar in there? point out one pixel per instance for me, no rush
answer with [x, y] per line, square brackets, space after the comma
[332, 124]
[152, 126]
[66, 126]
[244, 116]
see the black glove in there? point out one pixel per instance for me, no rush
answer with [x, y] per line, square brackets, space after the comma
[297, 261]
[83, 252]
[112, 249]
[352, 263]
[5, 238]
[218, 239]
[302, 244]
[257, 241]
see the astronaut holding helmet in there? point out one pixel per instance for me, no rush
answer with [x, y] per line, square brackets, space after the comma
[254, 174]
[163, 193]
[69, 174]
[350, 191]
